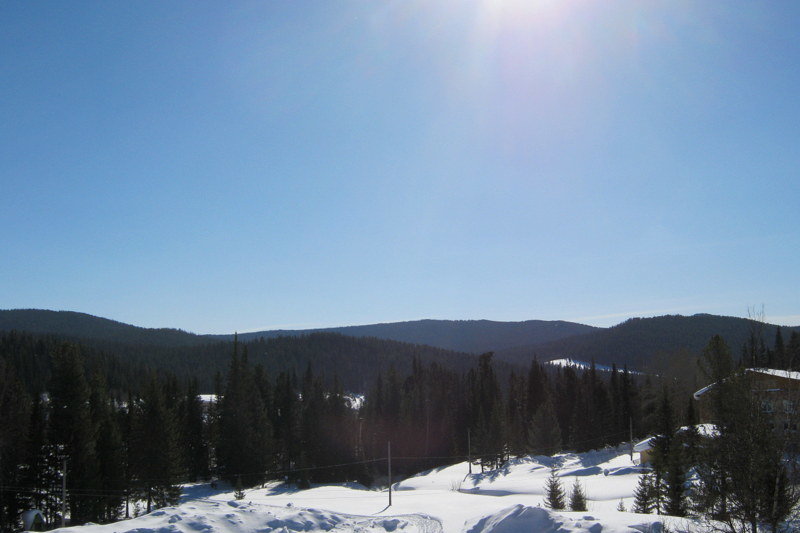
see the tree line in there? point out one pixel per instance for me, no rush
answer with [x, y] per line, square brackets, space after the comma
[121, 451]
[124, 451]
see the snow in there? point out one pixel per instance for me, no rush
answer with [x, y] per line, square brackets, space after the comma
[240, 517]
[446, 499]
[583, 365]
[354, 401]
[704, 430]
[523, 518]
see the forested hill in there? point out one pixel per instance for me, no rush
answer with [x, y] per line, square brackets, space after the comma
[644, 342]
[70, 324]
[473, 336]
[355, 362]
[641, 343]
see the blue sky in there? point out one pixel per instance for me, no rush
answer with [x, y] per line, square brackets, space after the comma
[221, 166]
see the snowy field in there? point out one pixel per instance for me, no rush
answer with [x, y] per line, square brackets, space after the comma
[447, 499]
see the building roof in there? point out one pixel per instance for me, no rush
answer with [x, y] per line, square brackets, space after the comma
[702, 391]
[704, 430]
[785, 374]
[646, 444]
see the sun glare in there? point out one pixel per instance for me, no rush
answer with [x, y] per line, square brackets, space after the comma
[523, 8]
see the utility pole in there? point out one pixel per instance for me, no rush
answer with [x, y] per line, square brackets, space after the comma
[64, 493]
[427, 423]
[390, 472]
[630, 425]
[469, 453]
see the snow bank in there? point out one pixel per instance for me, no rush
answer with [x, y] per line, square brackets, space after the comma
[446, 500]
[523, 518]
[238, 517]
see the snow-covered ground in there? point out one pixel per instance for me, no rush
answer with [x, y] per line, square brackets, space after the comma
[445, 499]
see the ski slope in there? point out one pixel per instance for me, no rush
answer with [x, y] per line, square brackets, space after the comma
[447, 500]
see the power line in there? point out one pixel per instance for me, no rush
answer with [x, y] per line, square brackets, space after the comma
[104, 493]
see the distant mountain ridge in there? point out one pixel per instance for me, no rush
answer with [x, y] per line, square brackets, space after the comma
[469, 336]
[639, 341]
[72, 324]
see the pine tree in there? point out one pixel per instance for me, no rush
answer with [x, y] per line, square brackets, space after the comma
[577, 498]
[245, 437]
[238, 492]
[156, 454]
[649, 407]
[619, 424]
[600, 411]
[515, 413]
[780, 360]
[285, 417]
[691, 437]
[644, 501]
[311, 413]
[35, 472]
[537, 389]
[339, 434]
[554, 492]
[716, 362]
[629, 399]
[565, 398]
[193, 434]
[485, 412]
[793, 351]
[621, 506]
[72, 430]
[675, 490]
[14, 421]
[213, 428]
[664, 453]
[581, 432]
[544, 433]
[108, 450]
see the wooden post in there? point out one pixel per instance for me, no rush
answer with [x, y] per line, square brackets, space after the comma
[630, 422]
[390, 472]
[469, 452]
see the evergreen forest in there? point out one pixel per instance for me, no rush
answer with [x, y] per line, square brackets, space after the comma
[90, 436]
